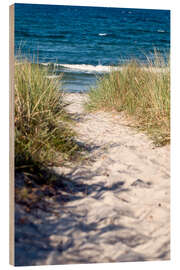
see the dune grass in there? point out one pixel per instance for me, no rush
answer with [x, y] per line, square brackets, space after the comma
[42, 135]
[142, 92]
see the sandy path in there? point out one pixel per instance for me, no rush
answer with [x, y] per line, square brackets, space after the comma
[121, 210]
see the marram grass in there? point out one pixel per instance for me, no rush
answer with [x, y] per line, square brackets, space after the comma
[140, 91]
[42, 135]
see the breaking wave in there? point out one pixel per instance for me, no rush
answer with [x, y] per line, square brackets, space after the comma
[84, 67]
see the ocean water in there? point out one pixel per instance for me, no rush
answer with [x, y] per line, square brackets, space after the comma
[84, 42]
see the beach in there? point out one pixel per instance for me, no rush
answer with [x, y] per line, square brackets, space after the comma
[118, 205]
[92, 135]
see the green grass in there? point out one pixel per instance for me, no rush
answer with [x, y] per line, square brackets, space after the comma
[42, 135]
[142, 92]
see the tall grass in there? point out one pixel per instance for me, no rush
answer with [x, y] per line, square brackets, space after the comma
[42, 135]
[140, 91]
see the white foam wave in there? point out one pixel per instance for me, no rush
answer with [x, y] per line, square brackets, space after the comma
[83, 67]
[98, 68]
[45, 64]
[102, 34]
[88, 68]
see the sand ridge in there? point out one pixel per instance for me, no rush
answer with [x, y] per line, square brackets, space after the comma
[121, 210]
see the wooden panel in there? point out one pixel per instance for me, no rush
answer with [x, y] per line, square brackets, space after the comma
[11, 132]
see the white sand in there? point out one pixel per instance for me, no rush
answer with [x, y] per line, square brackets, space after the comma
[138, 210]
[124, 215]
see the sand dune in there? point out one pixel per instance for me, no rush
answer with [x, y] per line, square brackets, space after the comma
[119, 208]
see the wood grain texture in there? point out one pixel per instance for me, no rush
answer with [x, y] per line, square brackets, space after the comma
[11, 132]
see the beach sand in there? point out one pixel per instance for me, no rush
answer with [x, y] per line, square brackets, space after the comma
[121, 208]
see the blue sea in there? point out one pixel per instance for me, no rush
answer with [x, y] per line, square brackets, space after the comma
[84, 42]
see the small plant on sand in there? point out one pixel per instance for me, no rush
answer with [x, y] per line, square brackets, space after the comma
[42, 135]
[140, 91]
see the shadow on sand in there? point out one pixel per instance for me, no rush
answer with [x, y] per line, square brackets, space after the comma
[68, 222]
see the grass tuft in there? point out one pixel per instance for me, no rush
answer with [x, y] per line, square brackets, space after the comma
[140, 91]
[42, 135]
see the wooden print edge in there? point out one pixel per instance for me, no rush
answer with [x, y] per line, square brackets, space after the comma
[11, 135]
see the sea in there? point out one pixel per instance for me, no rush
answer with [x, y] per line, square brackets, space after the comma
[83, 43]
